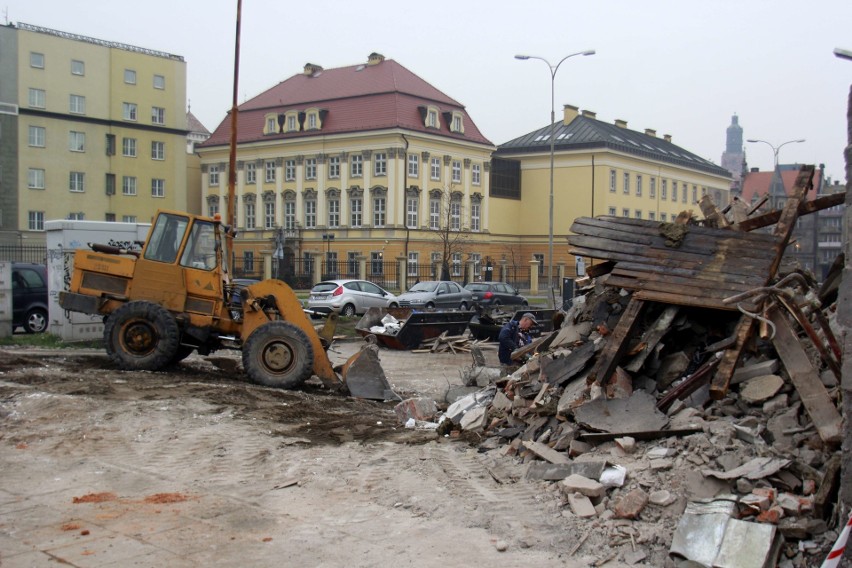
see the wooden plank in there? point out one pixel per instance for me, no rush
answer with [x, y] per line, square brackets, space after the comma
[681, 300]
[711, 212]
[652, 336]
[673, 269]
[730, 359]
[787, 221]
[713, 280]
[631, 224]
[617, 344]
[806, 379]
[546, 452]
[805, 208]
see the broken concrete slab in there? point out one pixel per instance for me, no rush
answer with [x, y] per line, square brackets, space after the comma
[474, 420]
[546, 452]
[422, 408]
[365, 377]
[760, 389]
[575, 483]
[661, 498]
[757, 468]
[479, 398]
[671, 369]
[638, 413]
[544, 471]
[752, 370]
[581, 505]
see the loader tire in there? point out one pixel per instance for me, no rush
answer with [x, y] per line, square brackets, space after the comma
[141, 336]
[278, 354]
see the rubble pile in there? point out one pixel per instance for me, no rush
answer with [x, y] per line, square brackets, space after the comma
[686, 411]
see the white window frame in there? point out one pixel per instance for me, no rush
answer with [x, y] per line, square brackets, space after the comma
[76, 104]
[413, 165]
[213, 175]
[638, 185]
[380, 164]
[456, 259]
[250, 215]
[268, 214]
[76, 141]
[612, 180]
[158, 187]
[158, 115]
[130, 111]
[475, 216]
[77, 182]
[37, 136]
[128, 218]
[128, 147]
[435, 167]
[435, 213]
[413, 261]
[334, 213]
[334, 167]
[356, 165]
[356, 212]
[35, 178]
[411, 210]
[251, 173]
[37, 98]
[78, 67]
[269, 171]
[128, 185]
[35, 220]
[310, 168]
[652, 188]
[455, 215]
[456, 168]
[36, 60]
[476, 174]
[310, 213]
[664, 189]
[159, 81]
[130, 76]
[290, 170]
[674, 191]
[626, 183]
[158, 150]
[379, 211]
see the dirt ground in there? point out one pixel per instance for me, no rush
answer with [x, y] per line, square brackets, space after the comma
[196, 466]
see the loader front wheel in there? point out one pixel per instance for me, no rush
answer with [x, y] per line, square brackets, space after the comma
[141, 336]
[278, 354]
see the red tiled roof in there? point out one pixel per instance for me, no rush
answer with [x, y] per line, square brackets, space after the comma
[357, 98]
[758, 184]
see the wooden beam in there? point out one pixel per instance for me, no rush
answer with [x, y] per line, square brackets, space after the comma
[805, 208]
[731, 358]
[617, 344]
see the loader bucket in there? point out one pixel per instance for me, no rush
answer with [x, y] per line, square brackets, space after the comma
[364, 377]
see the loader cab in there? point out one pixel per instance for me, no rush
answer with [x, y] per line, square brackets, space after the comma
[170, 239]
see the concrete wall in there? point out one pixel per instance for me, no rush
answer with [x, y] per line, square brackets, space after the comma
[63, 238]
[5, 299]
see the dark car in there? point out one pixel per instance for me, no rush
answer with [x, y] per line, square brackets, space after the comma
[495, 294]
[29, 297]
[436, 294]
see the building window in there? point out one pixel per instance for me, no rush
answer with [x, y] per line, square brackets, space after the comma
[248, 261]
[637, 214]
[380, 164]
[36, 136]
[36, 60]
[158, 115]
[250, 215]
[663, 217]
[638, 185]
[694, 194]
[356, 166]
[78, 67]
[311, 168]
[334, 213]
[213, 175]
[109, 217]
[352, 263]
[413, 165]
[271, 127]
[455, 215]
[158, 187]
[291, 124]
[612, 211]
[37, 98]
[652, 216]
[435, 167]
[612, 181]
[411, 212]
[290, 215]
[664, 189]
[413, 261]
[128, 185]
[77, 182]
[674, 191]
[625, 212]
[356, 212]
[128, 147]
[457, 265]
[310, 213]
[652, 188]
[626, 188]
[457, 124]
[159, 82]
[475, 174]
[290, 170]
[109, 184]
[456, 171]
[129, 111]
[77, 141]
[432, 119]
[269, 215]
[35, 178]
[128, 218]
[77, 104]
[110, 144]
[312, 121]
[130, 76]
[334, 167]
[269, 168]
[474, 216]
[251, 173]
[79, 216]
[36, 221]
[378, 211]
[158, 150]
[377, 262]
[435, 213]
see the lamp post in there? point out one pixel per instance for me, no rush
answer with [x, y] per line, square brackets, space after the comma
[553, 69]
[328, 237]
[775, 149]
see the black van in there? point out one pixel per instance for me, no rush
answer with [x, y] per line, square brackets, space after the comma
[29, 297]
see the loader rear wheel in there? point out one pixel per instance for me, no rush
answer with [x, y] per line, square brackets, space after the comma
[141, 336]
[278, 354]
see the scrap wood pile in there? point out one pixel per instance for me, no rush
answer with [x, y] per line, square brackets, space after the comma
[452, 344]
[689, 403]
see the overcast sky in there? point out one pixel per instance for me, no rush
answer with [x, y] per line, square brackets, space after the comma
[679, 67]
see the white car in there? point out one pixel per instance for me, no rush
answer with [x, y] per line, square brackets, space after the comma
[349, 297]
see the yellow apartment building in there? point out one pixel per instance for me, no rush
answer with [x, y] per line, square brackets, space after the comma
[92, 129]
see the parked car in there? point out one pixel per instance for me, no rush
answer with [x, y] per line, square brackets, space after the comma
[29, 297]
[434, 294]
[489, 294]
[349, 297]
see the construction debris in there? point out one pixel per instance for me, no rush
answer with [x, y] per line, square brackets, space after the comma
[683, 371]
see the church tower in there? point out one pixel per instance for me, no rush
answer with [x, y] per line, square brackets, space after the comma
[733, 158]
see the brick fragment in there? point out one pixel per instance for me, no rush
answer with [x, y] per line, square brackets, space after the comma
[631, 504]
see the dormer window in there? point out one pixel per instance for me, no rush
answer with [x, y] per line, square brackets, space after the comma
[292, 122]
[457, 123]
[432, 117]
[312, 121]
[270, 125]
[313, 118]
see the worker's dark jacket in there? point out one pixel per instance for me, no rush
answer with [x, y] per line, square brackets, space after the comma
[510, 339]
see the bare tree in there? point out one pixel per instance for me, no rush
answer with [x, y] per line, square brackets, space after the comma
[451, 232]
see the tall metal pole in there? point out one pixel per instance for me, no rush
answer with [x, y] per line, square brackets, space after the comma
[553, 69]
[232, 160]
[776, 149]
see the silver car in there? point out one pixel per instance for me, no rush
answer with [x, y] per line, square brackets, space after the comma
[434, 294]
[349, 297]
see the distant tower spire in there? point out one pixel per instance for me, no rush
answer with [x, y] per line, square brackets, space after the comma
[734, 155]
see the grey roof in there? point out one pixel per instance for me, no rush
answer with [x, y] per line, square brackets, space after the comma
[585, 133]
[194, 125]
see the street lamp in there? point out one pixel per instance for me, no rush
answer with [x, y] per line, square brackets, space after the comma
[328, 237]
[775, 148]
[553, 70]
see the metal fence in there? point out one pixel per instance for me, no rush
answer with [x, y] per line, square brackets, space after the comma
[243, 268]
[24, 253]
